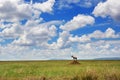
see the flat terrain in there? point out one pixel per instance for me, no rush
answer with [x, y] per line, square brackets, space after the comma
[60, 70]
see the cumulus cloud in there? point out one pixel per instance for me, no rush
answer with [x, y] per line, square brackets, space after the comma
[83, 38]
[80, 3]
[109, 33]
[61, 41]
[33, 23]
[100, 48]
[78, 21]
[91, 50]
[36, 36]
[44, 7]
[12, 10]
[23, 40]
[82, 49]
[108, 8]
[66, 3]
[30, 40]
[87, 38]
[11, 32]
[16, 10]
[67, 40]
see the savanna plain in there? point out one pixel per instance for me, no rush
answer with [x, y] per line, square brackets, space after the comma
[60, 70]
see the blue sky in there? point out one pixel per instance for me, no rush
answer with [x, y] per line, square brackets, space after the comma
[57, 29]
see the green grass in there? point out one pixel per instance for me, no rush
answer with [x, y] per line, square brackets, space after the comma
[60, 70]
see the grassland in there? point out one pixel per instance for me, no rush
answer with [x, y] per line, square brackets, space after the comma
[60, 70]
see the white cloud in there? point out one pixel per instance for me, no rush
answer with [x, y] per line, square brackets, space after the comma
[14, 10]
[36, 36]
[23, 40]
[33, 23]
[36, 22]
[1, 40]
[2, 25]
[61, 41]
[82, 3]
[83, 38]
[52, 22]
[44, 7]
[67, 40]
[109, 33]
[78, 21]
[82, 51]
[30, 40]
[13, 31]
[66, 3]
[100, 49]
[108, 8]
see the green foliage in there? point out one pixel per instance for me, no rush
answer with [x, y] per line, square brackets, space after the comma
[60, 70]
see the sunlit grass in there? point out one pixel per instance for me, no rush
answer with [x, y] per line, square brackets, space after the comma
[60, 70]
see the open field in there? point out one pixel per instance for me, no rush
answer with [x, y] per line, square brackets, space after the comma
[60, 70]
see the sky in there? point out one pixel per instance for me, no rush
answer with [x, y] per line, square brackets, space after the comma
[57, 29]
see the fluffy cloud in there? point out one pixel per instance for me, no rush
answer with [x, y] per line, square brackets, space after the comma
[83, 38]
[16, 10]
[61, 41]
[82, 3]
[15, 30]
[23, 40]
[66, 3]
[67, 40]
[100, 48]
[108, 8]
[36, 36]
[30, 39]
[109, 33]
[44, 7]
[12, 10]
[78, 21]
[11, 52]
[82, 51]
[11, 32]
[62, 49]
[33, 23]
